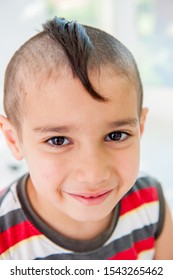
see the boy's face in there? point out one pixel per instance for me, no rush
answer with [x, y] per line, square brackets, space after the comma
[82, 154]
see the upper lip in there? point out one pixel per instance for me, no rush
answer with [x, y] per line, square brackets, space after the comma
[90, 195]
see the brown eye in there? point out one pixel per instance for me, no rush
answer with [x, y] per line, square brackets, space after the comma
[117, 136]
[58, 141]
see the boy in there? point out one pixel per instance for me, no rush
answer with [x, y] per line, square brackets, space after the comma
[73, 101]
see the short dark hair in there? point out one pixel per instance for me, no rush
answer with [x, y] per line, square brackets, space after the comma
[62, 42]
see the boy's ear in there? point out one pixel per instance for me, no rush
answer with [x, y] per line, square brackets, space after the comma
[143, 119]
[11, 137]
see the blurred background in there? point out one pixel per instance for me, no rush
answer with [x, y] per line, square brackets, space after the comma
[145, 27]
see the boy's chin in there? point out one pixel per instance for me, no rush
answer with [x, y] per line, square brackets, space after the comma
[91, 216]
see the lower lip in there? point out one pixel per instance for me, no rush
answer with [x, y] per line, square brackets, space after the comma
[91, 200]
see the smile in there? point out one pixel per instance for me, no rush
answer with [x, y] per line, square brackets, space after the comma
[91, 199]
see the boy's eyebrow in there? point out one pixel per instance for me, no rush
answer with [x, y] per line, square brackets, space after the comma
[129, 121]
[45, 129]
[66, 128]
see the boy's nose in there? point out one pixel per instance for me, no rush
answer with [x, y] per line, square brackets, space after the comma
[92, 169]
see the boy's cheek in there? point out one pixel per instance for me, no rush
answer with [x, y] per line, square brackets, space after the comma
[45, 168]
[128, 164]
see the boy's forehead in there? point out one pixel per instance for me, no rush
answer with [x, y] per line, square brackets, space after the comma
[101, 79]
[65, 100]
[106, 80]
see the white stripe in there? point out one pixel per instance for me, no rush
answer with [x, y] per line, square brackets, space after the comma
[146, 255]
[135, 219]
[10, 201]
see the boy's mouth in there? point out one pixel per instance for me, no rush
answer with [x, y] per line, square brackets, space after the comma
[91, 199]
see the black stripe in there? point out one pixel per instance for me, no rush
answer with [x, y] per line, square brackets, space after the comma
[161, 212]
[143, 183]
[10, 219]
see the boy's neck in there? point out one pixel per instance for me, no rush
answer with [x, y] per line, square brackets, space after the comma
[62, 223]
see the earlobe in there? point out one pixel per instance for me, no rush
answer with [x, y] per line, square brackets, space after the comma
[11, 137]
[143, 119]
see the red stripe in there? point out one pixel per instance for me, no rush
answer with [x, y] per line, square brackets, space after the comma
[138, 198]
[15, 234]
[133, 252]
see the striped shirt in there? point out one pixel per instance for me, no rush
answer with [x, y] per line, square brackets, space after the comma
[137, 222]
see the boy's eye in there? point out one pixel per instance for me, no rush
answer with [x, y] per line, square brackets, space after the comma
[117, 136]
[58, 141]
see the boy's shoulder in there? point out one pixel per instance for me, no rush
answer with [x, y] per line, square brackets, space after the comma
[9, 206]
[146, 190]
[15, 228]
[145, 200]
[8, 196]
[12, 189]
[9, 199]
[147, 183]
[145, 179]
